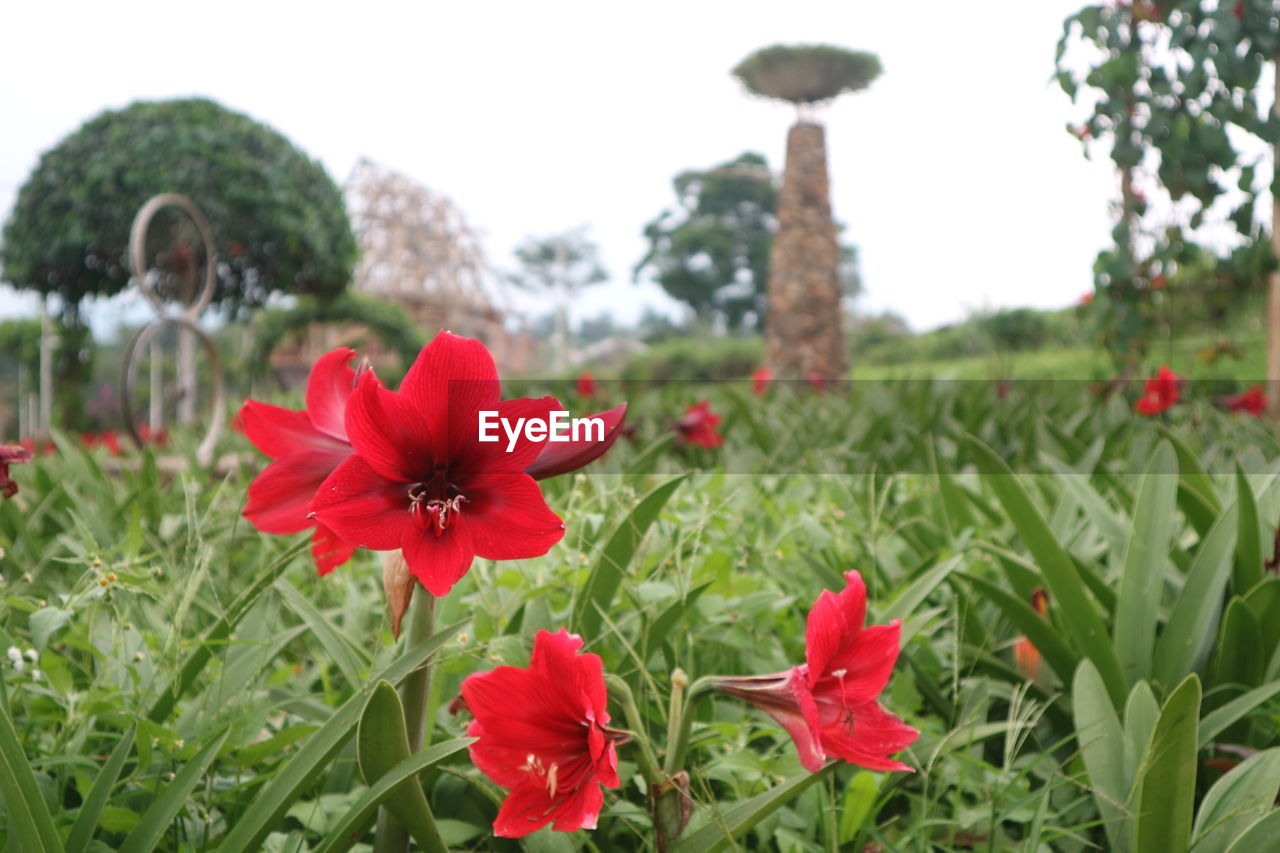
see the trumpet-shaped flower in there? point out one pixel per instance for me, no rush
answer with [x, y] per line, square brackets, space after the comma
[698, 426]
[1160, 392]
[1253, 402]
[543, 734]
[829, 703]
[10, 454]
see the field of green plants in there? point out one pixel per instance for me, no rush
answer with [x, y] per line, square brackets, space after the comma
[178, 681]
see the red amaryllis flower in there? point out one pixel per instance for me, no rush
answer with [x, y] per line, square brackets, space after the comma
[828, 704]
[305, 447]
[543, 735]
[561, 457]
[1253, 401]
[586, 384]
[1086, 298]
[421, 480]
[1159, 282]
[816, 381]
[11, 454]
[698, 426]
[1161, 392]
[760, 380]
[106, 438]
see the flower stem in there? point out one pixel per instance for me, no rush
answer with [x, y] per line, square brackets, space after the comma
[620, 691]
[678, 734]
[390, 836]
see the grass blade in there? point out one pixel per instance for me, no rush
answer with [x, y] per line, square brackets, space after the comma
[29, 817]
[96, 800]
[173, 796]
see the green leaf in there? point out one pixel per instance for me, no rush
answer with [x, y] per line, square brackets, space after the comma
[1165, 789]
[1191, 627]
[172, 797]
[96, 800]
[44, 623]
[737, 820]
[28, 814]
[1067, 592]
[1248, 567]
[382, 743]
[913, 596]
[1101, 742]
[1220, 719]
[601, 585]
[344, 653]
[1062, 659]
[1141, 581]
[1263, 835]
[859, 797]
[1236, 801]
[308, 764]
[361, 813]
[1238, 659]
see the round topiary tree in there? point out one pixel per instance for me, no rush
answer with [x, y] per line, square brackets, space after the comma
[803, 334]
[278, 218]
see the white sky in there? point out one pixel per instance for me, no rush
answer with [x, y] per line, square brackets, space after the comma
[952, 172]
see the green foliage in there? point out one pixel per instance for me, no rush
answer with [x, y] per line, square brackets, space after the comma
[384, 319]
[711, 252]
[806, 73]
[695, 358]
[279, 220]
[1175, 92]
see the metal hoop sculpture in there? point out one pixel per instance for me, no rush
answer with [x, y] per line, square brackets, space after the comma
[186, 318]
[141, 340]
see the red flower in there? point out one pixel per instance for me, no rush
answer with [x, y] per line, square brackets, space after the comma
[543, 735]
[816, 381]
[1161, 392]
[828, 704]
[421, 481]
[1086, 298]
[1252, 401]
[760, 380]
[1025, 655]
[698, 426]
[11, 454]
[1159, 282]
[305, 447]
[106, 438]
[586, 385]
[561, 457]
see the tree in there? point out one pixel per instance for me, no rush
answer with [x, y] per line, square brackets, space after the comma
[711, 252]
[803, 333]
[1174, 92]
[559, 265]
[278, 218]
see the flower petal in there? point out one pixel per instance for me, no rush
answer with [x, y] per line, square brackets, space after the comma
[280, 495]
[389, 432]
[451, 375]
[468, 455]
[861, 668]
[438, 562]
[834, 621]
[362, 507]
[328, 550]
[558, 457]
[279, 432]
[508, 518]
[330, 384]
[869, 737]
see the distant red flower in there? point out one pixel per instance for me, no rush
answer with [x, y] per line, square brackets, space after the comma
[421, 481]
[1253, 402]
[106, 438]
[1159, 282]
[158, 437]
[543, 735]
[816, 381]
[829, 703]
[1025, 655]
[11, 454]
[760, 380]
[47, 448]
[1160, 392]
[1238, 11]
[1086, 298]
[586, 384]
[305, 446]
[698, 426]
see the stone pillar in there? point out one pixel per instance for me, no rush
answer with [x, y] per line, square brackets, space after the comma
[803, 326]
